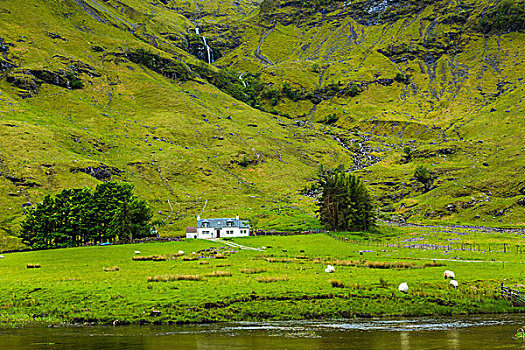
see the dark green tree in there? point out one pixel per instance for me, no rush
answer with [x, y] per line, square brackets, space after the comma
[345, 204]
[76, 216]
[40, 225]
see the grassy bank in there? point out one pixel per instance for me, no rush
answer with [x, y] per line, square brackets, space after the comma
[114, 284]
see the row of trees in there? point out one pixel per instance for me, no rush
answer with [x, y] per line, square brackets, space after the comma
[78, 216]
[111, 212]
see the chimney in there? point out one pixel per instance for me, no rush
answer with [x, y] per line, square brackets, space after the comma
[237, 217]
[198, 217]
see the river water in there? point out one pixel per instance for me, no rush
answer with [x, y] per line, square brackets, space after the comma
[464, 332]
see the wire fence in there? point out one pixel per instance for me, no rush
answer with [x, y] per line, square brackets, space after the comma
[448, 246]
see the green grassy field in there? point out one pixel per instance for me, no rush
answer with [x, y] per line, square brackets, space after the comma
[105, 284]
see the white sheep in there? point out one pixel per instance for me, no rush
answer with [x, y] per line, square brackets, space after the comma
[454, 283]
[137, 251]
[449, 274]
[1, 256]
[403, 287]
[181, 252]
[263, 248]
[329, 269]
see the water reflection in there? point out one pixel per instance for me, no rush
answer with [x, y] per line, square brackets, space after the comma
[405, 340]
[453, 340]
[485, 332]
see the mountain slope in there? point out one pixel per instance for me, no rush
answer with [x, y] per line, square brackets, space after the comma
[175, 139]
[444, 78]
[98, 90]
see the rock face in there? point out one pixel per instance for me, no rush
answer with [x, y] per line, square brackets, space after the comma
[5, 64]
[201, 47]
[102, 172]
[29, 81]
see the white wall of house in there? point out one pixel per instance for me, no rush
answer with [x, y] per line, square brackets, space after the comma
[210, 232]
[228, 228]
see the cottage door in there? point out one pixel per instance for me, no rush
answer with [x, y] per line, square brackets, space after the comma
[218, 233]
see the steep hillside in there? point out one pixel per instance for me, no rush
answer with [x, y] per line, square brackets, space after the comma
[98, 90]
[79, 105]
[444, 78]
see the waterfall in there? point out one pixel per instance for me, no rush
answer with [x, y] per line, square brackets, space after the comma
[242, 80]
[209, 52]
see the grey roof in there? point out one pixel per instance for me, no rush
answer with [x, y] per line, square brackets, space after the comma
[221, 223]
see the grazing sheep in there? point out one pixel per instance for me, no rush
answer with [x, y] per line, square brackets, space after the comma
[454, 283]
[449, 274]
[181, 252]
[403, 287]
[137, 251]
[329, 269]
[263, 248]
[1, 256]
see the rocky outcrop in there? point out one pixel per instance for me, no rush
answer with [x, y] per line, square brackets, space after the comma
[101, 172]
[5, 63]
[29, 81]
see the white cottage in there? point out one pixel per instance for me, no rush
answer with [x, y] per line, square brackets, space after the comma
[219, 228]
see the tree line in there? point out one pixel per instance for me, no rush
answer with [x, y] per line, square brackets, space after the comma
[79, 216]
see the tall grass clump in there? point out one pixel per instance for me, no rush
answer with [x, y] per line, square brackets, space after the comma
[109, 269]
[219, 274]
[253, 271]
[271, 279]
[170, 278]
[337, 283]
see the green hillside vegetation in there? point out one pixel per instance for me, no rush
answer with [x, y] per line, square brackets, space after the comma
[167, 282]
[121, 90]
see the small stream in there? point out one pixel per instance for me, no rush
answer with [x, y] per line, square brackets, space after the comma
[461, 332]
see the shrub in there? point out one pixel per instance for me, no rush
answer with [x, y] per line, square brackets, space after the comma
[402, 78]
[383, 283]
[425, 176]
[330, 119]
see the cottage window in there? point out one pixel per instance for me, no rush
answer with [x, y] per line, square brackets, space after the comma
[229, 223]
[205, 224]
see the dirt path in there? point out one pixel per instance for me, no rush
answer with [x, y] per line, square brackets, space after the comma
[231, 244]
